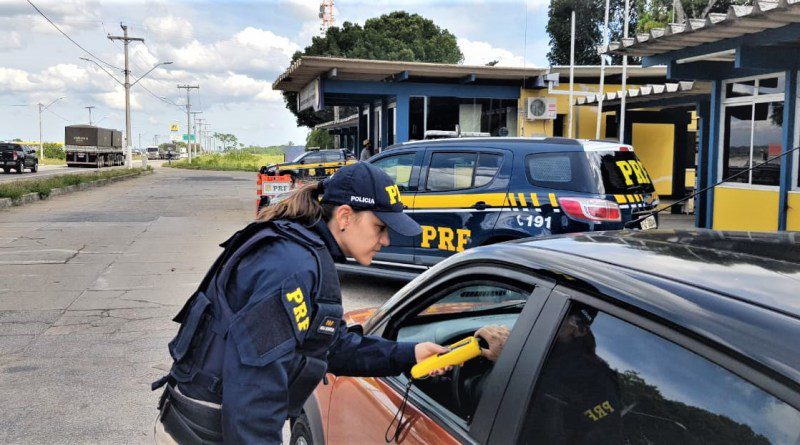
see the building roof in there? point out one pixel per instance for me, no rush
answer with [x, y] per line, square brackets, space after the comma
[307, 68]
[648, 93]
[738, 21]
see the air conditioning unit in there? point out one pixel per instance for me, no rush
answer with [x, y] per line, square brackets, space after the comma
[540, 108]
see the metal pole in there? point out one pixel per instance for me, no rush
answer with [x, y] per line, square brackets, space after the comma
[624, 79]
[126, 40]
[602, 91]
[188, 118]
[571, 68]
[41, 144]
[90, 113]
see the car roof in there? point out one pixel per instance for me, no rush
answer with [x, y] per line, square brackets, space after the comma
[538, 143]
[738, 289]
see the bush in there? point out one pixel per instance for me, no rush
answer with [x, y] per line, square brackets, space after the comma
[43, 187]
[234, 160]
[53, 150]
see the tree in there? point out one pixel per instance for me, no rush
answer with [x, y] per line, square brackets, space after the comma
[658, 13]
[394, 36]
[228, 140]
[589, 22]
[319, 138]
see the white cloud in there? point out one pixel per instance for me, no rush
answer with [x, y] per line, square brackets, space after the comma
[14, 80]
[10, 40]
[535, 5]
[169, 29]
[481, 53]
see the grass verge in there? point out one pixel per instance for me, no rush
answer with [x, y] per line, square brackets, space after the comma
[233, 161]
[44, 186]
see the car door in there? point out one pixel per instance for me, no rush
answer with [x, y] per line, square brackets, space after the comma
[452, 305]
[460, 196]
[403, 167]
[594, 372]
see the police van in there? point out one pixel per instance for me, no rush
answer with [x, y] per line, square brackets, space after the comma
[469, 192]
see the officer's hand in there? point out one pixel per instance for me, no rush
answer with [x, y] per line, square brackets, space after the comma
[496, 337]
[428, 349]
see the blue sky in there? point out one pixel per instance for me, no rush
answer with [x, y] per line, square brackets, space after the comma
[234, 50]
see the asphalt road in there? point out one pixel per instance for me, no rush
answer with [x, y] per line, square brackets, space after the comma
[88, 284]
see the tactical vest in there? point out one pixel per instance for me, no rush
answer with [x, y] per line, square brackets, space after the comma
[198, 349]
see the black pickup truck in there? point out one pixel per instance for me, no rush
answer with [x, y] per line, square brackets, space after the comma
[18, 157]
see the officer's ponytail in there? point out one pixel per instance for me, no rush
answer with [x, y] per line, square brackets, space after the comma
[302, 205]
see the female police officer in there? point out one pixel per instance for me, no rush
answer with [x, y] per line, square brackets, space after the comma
[266, 322]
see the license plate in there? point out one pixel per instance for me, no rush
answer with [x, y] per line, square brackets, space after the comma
[273, 188]
[648, 223]
[81, 155]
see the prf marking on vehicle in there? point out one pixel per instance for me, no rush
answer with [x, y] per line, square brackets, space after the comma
[599, 411]
[394, 193]
[633, 168]
[537, 221]
[300, 309]
[445, 236]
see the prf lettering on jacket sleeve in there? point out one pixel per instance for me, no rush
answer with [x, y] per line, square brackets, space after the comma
[633, 168]
[300, 309]
[599, 411]
[445, 236]
[394, 194]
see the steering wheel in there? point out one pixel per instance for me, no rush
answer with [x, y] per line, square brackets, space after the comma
[465, 382]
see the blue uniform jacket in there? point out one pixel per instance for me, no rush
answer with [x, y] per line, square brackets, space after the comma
[255, 398]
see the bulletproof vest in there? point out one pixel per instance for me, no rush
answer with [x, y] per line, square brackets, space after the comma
[198, 350]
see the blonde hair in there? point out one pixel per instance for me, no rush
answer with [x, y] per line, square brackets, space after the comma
[302, 205]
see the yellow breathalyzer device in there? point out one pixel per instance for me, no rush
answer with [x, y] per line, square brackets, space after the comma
[458, 353]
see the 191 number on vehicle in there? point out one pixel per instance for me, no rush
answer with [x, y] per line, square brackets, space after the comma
[537, 221]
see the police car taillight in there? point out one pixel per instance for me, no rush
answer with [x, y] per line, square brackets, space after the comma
[591, 209]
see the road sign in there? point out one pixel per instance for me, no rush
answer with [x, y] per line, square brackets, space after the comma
[186, 137]
[174, 127]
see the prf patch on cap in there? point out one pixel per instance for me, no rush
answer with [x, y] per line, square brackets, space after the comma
[328, 326]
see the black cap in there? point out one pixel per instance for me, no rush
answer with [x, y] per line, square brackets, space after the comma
[363, 186]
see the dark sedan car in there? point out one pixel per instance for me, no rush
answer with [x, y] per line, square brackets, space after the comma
[657, 337]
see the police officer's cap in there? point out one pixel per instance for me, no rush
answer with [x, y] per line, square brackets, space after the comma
[363, 186]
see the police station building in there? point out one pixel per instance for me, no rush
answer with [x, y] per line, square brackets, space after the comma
[750, 58]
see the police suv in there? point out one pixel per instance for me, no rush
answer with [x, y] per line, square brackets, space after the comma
[468, 192]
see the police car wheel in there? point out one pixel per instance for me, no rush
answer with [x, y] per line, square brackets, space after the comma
[301, 432]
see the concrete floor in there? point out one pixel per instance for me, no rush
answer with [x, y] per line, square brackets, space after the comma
[89, 283]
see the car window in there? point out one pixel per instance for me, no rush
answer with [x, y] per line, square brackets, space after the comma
[313, 158]
[398, 168]
[608, 381]
[451, 171]
[488, 166]
[332, 156]
[455, 312]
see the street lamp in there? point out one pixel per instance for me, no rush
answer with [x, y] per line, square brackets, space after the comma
[41, 109]
[127, 85]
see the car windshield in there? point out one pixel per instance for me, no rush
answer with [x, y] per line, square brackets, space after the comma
[152, 149]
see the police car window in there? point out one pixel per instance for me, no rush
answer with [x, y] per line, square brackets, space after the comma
[488, 166]
[332, 156]
[561, 171]
[607, 381]
[398, 168]
[457, 312]
[451, 171]
[315, 157]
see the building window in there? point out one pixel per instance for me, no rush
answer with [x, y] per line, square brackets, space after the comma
[753, 129]
[497, 117]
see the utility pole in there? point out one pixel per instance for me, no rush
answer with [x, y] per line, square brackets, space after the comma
[125, 40]
[188, 118]
[198, 121]
[194, 130]
[90, 113]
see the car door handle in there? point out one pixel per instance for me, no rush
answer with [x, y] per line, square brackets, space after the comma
[480, 205]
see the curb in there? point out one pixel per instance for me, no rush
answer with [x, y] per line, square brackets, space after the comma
[33, 197]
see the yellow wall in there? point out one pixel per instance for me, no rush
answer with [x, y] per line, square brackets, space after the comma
[793, 215]
[584, 118]
[654, 145]
[745, 209]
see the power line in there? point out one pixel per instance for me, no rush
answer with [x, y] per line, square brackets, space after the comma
[70, 38]
[162, 99]
[58, 115]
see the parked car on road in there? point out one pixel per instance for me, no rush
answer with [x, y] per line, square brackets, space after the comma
[18, 157]
[469, 192]
[626, 337]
